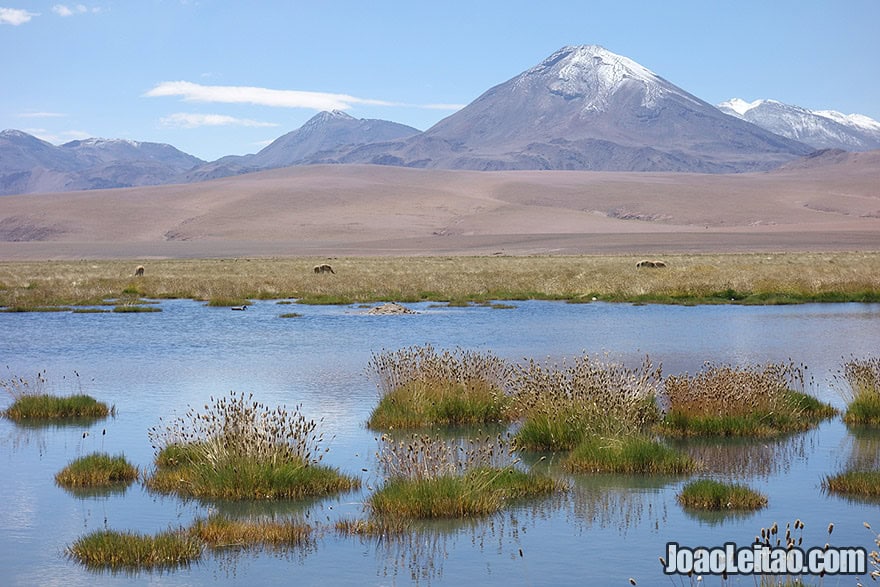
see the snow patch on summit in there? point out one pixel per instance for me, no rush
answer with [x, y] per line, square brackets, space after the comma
[594, 74]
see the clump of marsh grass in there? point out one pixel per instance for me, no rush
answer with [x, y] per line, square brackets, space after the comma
[32, 401]
[97, 470]
[421, 387]
[862, 394]
[854, 483]
[135, 309]
[109, 549]
[709, 494]
[629, 454]
[428, 477]
[240, 449]
[751, 400]
[564, 404]
[221, 532]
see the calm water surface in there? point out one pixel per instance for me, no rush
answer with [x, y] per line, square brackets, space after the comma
[607, 529]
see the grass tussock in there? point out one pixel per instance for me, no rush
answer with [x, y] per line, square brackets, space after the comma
[629, 455]
[135, 309]
[97, 470]
[862, 394]
[427, 477]
[854, 483]
[420, 387]
[562, 405]
[108, 549]
[32, 401]
[239, 449]
[723, 400]
[703, 278]
[220, 532]
[708, 494]
[228, 301]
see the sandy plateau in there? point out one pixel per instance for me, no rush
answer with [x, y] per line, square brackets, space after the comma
[827, 202]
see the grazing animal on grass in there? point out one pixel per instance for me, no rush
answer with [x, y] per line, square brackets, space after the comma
[139, 272]
[324, 269]
[646, 263]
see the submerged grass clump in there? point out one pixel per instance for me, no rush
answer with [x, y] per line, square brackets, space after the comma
[220, 532]
[428, 477]
[854, 483]
[633, 454]
[108, 549]
[33, 402]
[239, 449]
[723, 400]
[862, 377]
[564, 404]
[708, 494]
[97, 470]
[420, 387]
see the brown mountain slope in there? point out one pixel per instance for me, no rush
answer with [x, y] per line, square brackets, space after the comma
[352, 209]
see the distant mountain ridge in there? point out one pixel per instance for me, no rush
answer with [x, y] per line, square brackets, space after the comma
[581, 108]
[821, 129]
[28, 164]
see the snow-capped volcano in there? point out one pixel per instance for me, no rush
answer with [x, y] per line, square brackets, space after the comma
[822, 129]
[584, 107]
[594, 75]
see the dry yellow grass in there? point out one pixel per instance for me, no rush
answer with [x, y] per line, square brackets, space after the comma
[750, 278]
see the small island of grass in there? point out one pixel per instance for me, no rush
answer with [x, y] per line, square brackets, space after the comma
[96, 471]
[430, 478]
[757, 401]
[708, 494]
[863, 397]
[110, 549]
[33, 402]
[854, 484]
[241, 450]
[420, 387]
[631, 454]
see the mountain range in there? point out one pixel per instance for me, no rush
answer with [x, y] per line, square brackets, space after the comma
[582, 108]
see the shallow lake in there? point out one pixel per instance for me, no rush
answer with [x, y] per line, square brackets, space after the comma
[604, 531]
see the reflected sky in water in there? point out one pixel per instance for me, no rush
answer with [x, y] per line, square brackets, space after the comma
[605, 530]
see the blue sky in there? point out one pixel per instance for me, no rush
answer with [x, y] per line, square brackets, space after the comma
[216, 77]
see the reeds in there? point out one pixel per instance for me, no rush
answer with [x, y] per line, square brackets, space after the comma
[97, 470]
[751, 400]
[631, 454]
[421, 387]
[854, 483]
[240, 449]
[562, 404]
[428, 477]
[33, 402]
[862, 377]
[221, 532]
[709, 494]
[109, 549]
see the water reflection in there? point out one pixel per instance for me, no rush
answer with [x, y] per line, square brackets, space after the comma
[862, 445]
[748, 457]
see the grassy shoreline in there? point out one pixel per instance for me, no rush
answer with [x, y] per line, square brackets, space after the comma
[742, 278]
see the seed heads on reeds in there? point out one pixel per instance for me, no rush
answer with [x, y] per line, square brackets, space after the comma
[564, 403]
[750, 400]
[861, 391]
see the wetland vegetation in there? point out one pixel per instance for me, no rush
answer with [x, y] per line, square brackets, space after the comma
[749, 278]
[240, 449]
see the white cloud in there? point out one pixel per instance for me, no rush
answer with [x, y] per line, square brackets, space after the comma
[189, 120]
[64, 10]
[41, 115]
[261, 96]
[15, 16]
